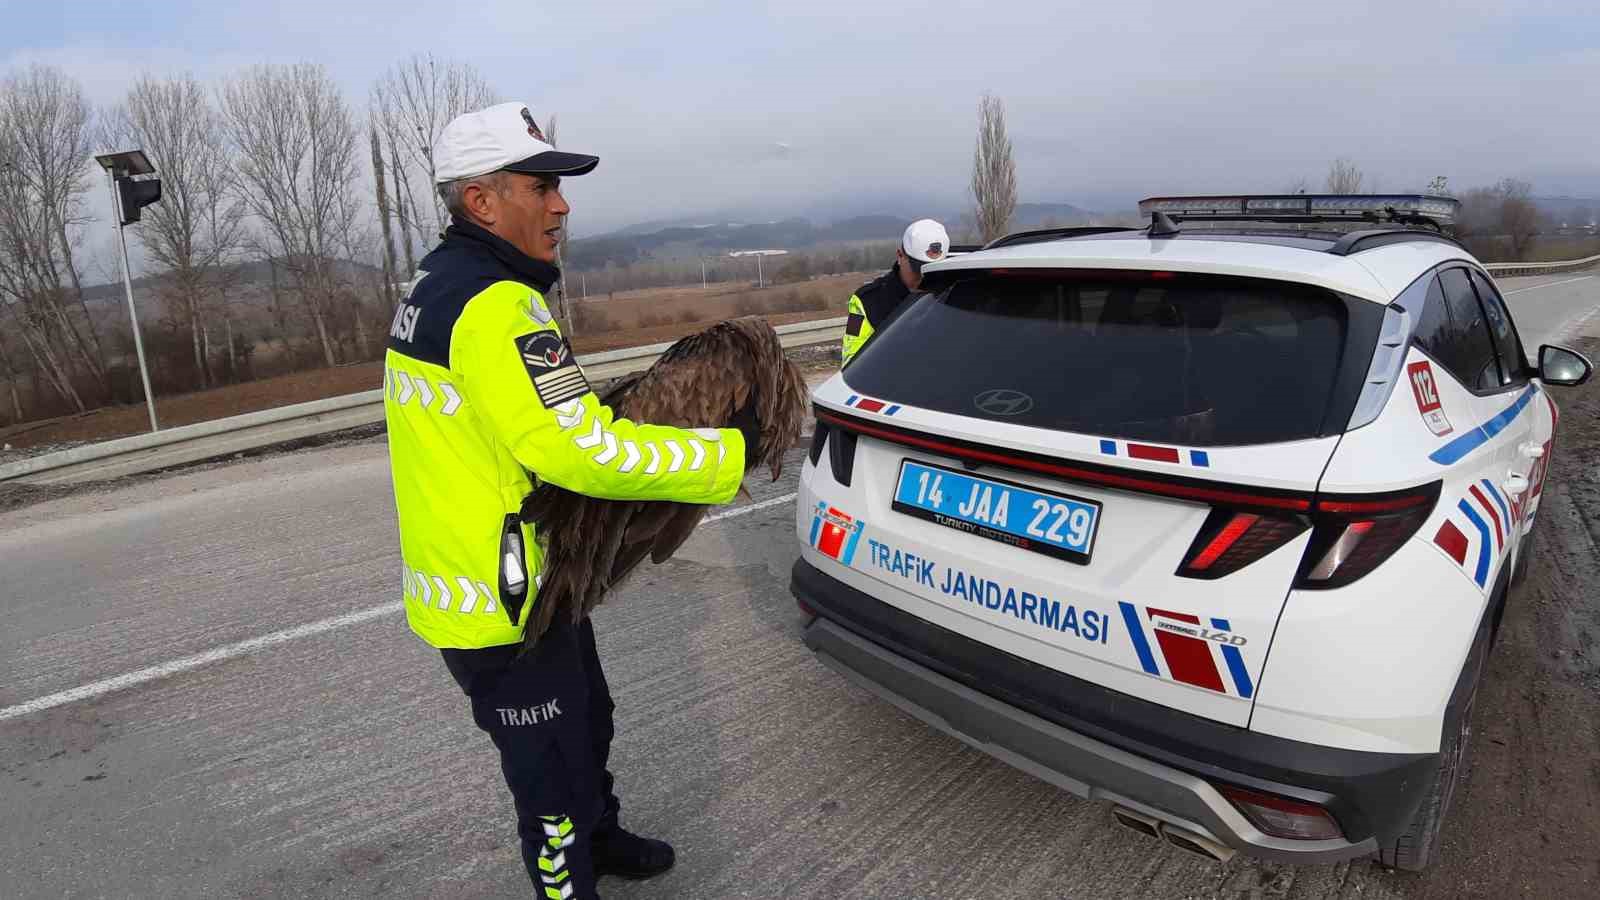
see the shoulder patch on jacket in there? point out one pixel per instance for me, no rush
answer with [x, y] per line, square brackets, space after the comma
[551, 366]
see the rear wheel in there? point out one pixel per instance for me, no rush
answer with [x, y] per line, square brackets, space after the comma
[1525, 554]
[1416, 849]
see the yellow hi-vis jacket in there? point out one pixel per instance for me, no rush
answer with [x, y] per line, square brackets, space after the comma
[870, 307]
[481, 397]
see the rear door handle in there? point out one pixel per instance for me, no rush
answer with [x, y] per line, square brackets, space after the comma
[1532, 451]
[1515, 483]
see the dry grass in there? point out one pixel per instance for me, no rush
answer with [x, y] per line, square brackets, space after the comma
[660, 306]
[632, 319]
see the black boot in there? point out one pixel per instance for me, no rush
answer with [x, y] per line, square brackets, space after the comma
[618, 852]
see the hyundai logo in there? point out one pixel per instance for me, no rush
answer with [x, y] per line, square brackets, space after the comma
[1003, 402]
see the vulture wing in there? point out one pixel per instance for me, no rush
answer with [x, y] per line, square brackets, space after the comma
[591, 545]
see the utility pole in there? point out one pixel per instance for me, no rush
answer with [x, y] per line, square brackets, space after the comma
[128, 197]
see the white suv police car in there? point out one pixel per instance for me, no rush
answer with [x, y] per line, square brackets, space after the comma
[1213, 520]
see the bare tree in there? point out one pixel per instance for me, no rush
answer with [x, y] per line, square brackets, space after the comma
[223, 227]
[297, 143]
[563, 309]
[384, 218]
[1438, 187]
[413, 102]
[12, 376]
[402, 208]
[43, 120]
[49, 125]
[359, 245]
[1499, 222]
[1344, 177]
[198, 225]
[1480, 213]
[1518, 217]
[994, 171]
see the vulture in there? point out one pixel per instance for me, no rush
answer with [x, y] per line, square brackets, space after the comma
[591, 545]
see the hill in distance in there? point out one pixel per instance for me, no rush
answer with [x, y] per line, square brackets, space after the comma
[690, 238]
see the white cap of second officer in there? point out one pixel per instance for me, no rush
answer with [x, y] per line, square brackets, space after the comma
[925, 240]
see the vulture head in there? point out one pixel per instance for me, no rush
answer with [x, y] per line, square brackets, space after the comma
[591, 545]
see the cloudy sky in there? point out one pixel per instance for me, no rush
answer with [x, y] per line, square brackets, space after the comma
[829, 108]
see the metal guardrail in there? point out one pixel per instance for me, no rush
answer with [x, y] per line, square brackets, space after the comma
[253, 431]
[1504, 270]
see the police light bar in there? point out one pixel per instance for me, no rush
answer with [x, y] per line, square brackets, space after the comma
[1417, 208]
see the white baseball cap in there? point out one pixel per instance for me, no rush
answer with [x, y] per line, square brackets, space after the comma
[925, 241]
[502, 137]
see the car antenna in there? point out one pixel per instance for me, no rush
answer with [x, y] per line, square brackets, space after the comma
[1161, 225]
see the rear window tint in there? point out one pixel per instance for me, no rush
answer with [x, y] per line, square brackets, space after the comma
[1434, 331]
[1193, 359]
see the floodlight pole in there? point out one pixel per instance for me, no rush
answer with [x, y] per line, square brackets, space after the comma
[127, 285]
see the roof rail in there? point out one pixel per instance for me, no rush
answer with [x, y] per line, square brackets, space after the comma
[1050, 234]
[1411, 209]
[1356, 241]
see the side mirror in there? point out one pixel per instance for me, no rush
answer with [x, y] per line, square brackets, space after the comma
[1558, 365]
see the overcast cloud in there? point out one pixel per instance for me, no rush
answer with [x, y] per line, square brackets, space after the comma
[829, 108]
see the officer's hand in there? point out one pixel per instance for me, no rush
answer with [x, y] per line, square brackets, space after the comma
[749, 424]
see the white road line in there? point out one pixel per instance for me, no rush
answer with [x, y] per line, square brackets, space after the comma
[174, 667]
[1550, 285]
[753, 507]
[230, 651]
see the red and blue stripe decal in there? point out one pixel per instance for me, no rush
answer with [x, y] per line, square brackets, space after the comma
[1188, 659]
[1457, 450]
[867, 404]
[1154, 453]
[1483, 508]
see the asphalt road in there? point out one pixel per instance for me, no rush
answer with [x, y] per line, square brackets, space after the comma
[208, 690]
[1551, 308]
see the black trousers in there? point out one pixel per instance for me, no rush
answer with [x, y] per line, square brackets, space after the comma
[550, 715]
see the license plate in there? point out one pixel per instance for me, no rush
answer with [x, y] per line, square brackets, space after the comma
[1052, 524]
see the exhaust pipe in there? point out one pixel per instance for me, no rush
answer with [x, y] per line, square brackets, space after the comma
[1182, 838]
[1138, 821]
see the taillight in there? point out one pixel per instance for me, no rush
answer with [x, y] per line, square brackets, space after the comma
[1230, 540]
[1282, 817]
[1353, 535]
[1356, 533]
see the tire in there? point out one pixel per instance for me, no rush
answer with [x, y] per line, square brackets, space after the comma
[1416, 848]
[1525, 553]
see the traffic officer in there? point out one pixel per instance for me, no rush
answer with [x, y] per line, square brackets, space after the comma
[874, 303]
[482, 397]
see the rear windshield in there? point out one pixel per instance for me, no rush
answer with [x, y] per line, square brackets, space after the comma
[1185, 359]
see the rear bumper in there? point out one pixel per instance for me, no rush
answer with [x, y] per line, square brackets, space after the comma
[1102, 745]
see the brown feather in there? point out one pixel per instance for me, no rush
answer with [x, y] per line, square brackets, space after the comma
[592, 545]
[675, 532]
